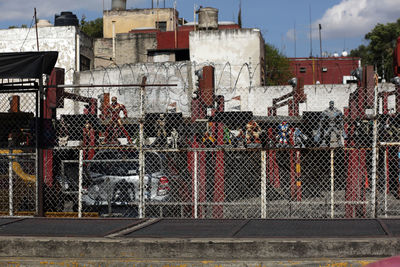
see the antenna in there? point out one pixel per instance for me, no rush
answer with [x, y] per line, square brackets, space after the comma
[310, 33]
[294, 33]
[320, 41]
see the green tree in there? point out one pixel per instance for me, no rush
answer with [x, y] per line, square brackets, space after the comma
[93, 28]
[16, 26]
[278, 70]
[379, 51]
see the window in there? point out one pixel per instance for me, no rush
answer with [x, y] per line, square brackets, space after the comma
[121, 163]
[161, 25]
[303, 69]
[84, 63]
[182, 55]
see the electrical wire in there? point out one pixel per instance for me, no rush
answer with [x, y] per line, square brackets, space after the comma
[26, 37]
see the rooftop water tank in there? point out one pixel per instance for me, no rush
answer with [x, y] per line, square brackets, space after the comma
[66, 18]
[208, 18]
[118, 5]
[43, 23]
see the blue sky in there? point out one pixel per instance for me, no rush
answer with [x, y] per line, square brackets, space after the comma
[344, 22]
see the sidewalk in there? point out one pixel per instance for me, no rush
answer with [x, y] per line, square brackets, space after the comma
[174, 242]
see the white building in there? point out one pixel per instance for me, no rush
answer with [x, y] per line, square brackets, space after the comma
[75, 49]
[235, 53]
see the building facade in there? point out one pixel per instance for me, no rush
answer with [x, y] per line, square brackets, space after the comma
[75, 48]
[325, 70]
[123, 21]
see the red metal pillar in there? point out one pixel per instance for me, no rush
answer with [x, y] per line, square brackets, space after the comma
[219, 182]
[357, 175]
[397, 99]
[291, 108]
[385, 103]
[89, 140]
[272, 165]
[53, 96]
[357, 181]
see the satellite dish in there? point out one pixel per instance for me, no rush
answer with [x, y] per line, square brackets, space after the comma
[336, 54]
[345, 54]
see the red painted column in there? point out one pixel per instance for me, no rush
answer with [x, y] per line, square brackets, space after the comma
[385, 103]
[53, 96]
[356, 183]
[219, 186]
[272, 164]
[89, 140]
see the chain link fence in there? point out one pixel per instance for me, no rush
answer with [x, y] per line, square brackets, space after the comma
[18, 188]
[112, 156]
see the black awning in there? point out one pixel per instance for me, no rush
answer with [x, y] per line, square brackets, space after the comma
[27, 64]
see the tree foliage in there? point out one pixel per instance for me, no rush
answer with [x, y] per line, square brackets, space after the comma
[15, 26]
[93, 28]
[379, 51]
[278, 70]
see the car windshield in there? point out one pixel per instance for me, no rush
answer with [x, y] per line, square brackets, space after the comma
[119, 163]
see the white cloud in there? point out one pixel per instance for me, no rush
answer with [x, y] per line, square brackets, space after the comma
[354, 18]
[22, 10]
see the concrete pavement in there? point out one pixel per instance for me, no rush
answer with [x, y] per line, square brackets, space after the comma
[171, 242]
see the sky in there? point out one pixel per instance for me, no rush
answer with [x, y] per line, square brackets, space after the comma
[286, 24]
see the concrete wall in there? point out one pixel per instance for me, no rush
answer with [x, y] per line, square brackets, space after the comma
[130, 48]
[255, 99]
[239, 52]
[157, 99]
[62, 39]
[103, 52]
[127, 20]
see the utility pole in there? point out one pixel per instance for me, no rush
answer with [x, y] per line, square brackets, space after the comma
[37, 35]
[320, 41]
[310, 34]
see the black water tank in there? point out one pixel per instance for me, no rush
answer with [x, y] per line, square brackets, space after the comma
[66, 18]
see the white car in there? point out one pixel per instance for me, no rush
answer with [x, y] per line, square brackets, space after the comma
[114, 181]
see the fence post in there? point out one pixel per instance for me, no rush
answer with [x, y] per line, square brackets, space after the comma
[386, 181]
[195, 186]
[80, 179]
[10, 184]
[332, 184]
[263, 184]
[374, 153]
[39, 149]
[141, 152]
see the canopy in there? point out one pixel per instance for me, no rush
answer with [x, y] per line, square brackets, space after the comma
[27, 64]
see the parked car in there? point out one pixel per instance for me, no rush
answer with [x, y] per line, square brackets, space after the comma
[111, 183]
